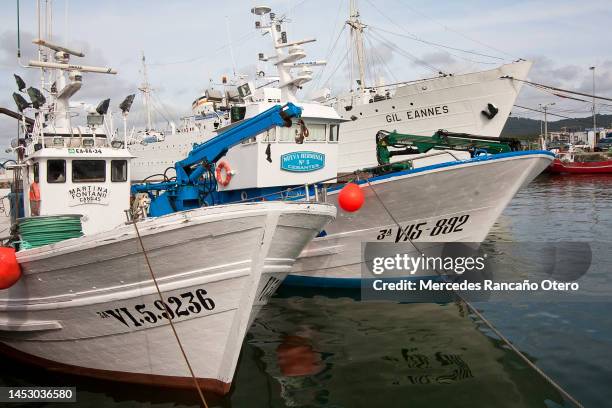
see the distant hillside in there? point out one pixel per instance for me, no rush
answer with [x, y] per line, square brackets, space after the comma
[527, 128]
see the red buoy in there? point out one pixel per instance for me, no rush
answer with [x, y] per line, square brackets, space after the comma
[10, 271]
[351, 197]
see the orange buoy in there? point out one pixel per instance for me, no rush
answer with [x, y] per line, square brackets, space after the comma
[10, 271]
[351, 197]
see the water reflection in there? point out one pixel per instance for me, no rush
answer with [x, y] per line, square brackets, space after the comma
[385, 354]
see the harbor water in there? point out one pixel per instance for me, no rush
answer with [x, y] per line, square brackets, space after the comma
[328, 349]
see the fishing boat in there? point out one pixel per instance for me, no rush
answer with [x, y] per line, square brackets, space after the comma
[581, 163]
[437, 195]
[100, 290]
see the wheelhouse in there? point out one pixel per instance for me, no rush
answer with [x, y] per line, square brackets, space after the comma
[305, 152]
[90, 179]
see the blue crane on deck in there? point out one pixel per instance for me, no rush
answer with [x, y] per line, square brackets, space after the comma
[192, 185]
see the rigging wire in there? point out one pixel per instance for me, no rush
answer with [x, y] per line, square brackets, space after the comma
[242, 40]
[340, 62]
[455, 31]
[369, 66]
[319, 74]
[163, 107]
[435, 44]
[381, 60]
[538, 85]
[414, 37]
[541, 111]
[405, 53]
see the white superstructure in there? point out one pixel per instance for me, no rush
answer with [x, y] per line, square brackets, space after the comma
[476, 103]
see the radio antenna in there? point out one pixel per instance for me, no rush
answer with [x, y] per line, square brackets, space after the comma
[231, 45]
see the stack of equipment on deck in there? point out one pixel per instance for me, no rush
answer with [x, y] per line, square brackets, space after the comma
[39, 231]
[441, 140]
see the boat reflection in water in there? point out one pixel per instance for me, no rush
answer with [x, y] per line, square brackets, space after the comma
[340, 352]
[332, 350]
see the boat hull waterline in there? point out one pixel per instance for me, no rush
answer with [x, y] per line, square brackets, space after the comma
[469, 194]
[89, 305]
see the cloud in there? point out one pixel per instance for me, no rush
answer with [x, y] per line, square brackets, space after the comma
[96, 87]
[572, 77]
[548, 71]
[564, 40]
[381, 55]
[439, 58]
[603, 80]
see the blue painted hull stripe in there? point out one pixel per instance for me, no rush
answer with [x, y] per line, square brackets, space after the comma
[478, 159]
[341, 283]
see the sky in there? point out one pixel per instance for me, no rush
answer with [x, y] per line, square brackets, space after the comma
[189, 45]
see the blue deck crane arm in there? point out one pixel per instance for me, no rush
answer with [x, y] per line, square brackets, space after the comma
[186, 192]
[215, 148]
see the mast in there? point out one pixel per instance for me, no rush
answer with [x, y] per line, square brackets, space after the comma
[594, 112]
[287, 54]
[146, 92]
[231, 45]
[357, 38]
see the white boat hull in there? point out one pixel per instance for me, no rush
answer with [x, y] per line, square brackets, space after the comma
[454, 103]
[473, 192]
[89, 305]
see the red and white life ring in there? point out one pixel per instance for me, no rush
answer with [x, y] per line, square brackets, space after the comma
[223, 167]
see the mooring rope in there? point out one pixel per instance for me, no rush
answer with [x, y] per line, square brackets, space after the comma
[484, 320]
[170, 318]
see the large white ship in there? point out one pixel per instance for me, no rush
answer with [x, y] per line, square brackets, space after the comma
[477, 103]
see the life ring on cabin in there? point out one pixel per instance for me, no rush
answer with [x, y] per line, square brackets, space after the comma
[223, 167]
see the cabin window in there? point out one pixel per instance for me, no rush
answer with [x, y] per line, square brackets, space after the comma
[250, 140]
[56, 171]
[292, 134]
[35, 172]
[288, 134]
[118, 170]
[269, 135]
[334, 130]
[316, 132]
[88, 171]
